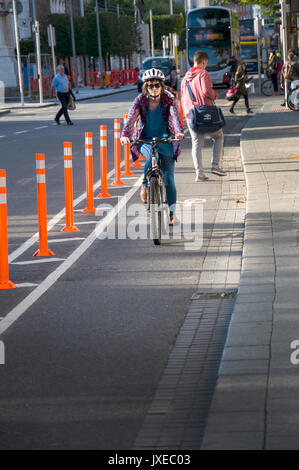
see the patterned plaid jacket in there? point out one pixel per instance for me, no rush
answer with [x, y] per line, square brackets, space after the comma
[138, 113]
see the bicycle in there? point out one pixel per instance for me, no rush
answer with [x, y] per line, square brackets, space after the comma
[293, 96]
[156, 192]
[267, 87]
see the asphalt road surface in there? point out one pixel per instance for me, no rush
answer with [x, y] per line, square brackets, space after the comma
[84, 355]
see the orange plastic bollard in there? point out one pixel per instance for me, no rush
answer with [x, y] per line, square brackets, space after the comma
[42, 207]
[5, 283]
[68, 184]
[127, 153]
[136, 164]
[141, 157]
[117, 181]
[89, 173]
[103, 157]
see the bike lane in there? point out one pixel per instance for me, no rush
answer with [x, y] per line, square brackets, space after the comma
[84, 361]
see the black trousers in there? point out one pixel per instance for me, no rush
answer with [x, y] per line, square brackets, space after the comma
[274, 81]
[63, 98]
[237, 97]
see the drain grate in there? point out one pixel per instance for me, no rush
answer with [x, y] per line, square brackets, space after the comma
[213, 295]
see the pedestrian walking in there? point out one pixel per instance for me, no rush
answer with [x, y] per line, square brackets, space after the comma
[290, 71]
[279, 66]
[272, 71]
[202, 88]
[61, 83]
[156, 114]
[241, 80]
[233, 64]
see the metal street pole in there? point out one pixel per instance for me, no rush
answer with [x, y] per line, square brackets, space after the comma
[284, 42]
[152, 33]
[39, 62]
[52, 48]
[18, 52]
[170, 7]
[73, 44]
[100, 62]
[82, 7]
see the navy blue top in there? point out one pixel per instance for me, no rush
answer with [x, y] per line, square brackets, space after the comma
[156, 127]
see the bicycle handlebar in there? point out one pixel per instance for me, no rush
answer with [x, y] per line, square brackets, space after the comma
[155, 140]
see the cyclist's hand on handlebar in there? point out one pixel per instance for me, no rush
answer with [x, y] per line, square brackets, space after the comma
[179, 136]
[124, 140]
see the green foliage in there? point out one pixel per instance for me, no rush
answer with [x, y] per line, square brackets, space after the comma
[118, 35]
[266, 5]
[161, 7]
[165, 24]
[62, 25]
[26, 46]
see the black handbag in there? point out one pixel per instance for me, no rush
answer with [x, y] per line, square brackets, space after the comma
[204, 119]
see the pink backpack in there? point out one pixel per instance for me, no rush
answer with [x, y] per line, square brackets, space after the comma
[230, 94]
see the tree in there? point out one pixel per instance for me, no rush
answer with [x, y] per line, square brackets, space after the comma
[165, 24]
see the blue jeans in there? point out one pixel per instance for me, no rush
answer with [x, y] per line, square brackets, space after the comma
[167, 167]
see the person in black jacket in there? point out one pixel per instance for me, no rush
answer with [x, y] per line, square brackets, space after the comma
[273, 70]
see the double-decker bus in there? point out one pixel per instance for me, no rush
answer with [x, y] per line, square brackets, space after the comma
[214, 30]
[248, 45]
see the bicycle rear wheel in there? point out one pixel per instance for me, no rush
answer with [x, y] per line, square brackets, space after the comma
[293, 99]
[267, 87]
[155, 211]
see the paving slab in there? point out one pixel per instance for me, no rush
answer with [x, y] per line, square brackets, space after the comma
[265, 318]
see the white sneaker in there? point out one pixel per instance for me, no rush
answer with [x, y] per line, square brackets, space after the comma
[218, 171]
[200, 176]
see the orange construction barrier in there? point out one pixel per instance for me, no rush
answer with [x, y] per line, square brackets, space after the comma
[68, 184]
[117, 181]
[89, 173]
[42, 206]
[5, 283]
[103, 157]
[127, 153]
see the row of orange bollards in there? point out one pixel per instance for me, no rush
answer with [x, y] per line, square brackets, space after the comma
[43, 250]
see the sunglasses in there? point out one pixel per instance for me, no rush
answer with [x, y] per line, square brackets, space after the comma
[155, 85]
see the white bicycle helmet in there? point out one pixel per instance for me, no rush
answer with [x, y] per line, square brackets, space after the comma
[153, 74]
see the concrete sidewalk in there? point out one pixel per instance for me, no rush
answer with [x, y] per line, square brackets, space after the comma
[255, 404]
[86, 93]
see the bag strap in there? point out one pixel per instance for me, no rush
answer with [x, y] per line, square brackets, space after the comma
[192, 97]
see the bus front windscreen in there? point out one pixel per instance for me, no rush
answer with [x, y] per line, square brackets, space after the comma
[209, 30]
[208, 17]
[219, 55]
[248, 52]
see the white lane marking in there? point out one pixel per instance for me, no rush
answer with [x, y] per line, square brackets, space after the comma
[26, 180]
[84, 223]
[28, 243]
[39, 260]
[40, 127]
[2, 136]
[25, 284]
[60, 240]
[100, 199]
[20, 132]
[34, 295]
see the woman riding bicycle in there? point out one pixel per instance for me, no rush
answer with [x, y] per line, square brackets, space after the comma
[156, 114]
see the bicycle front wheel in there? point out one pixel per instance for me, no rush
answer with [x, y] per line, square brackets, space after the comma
[293, 99]
[267, 87]
[155, 211]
